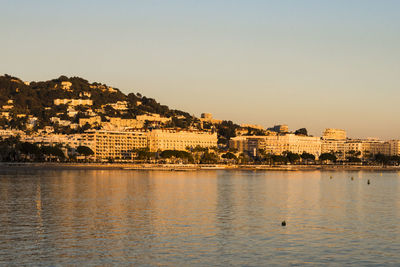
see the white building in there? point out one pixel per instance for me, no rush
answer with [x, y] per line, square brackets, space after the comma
[73, 102]
[164, 139]
[277, 144]
[334, 134]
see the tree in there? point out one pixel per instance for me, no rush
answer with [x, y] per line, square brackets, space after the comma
[354, 153]
[229, 156]
[30, 149]
[144, 153]
[199, 149]
[84, 128]
[53, 151]
[292, 157]
[209, 158]
[84, 150]
[179, 154]
[307, 156]
[382, 159]
[353, 159]
[226, 130]
[395, 159]
[279, 159]
[327, 157]
[301, 131]
[243, 158]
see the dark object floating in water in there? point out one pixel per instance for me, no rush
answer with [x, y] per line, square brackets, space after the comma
[284, 223]
[368, 182]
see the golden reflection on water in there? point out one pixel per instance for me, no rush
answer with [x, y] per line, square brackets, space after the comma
[131, 216]
[39, 210]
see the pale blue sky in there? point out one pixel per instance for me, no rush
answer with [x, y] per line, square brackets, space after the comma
[312, 64]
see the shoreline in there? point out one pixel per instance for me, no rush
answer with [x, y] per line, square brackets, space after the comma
[188, 167]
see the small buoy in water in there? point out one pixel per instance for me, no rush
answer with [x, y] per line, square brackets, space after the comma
[284, 223]
[352, 178]
[368, 182]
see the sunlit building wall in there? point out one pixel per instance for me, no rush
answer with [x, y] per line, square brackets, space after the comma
[163, 139]
[345, 148]
[119, 146]
[394, 147]
[334, 134]
[278, 144]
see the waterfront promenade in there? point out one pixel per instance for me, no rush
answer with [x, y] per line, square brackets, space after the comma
[192, 167]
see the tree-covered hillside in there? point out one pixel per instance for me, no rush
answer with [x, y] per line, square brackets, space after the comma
[37, 98]
[30, 107]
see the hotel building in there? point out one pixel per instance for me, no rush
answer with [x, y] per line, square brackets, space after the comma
[73, 102]
[119, 146]
[166, 139]
[277, 144]
[394, 147]
[334, 141]
[334, 134]
[122, 146]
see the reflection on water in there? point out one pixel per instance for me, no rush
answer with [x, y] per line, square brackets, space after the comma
[202, 218]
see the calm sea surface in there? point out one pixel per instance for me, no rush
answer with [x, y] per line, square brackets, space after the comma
[205, 218]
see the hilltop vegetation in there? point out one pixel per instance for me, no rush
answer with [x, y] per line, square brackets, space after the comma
[34, 97]
[31, 107]
[37, 99]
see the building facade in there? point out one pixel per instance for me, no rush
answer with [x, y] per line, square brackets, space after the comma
[123, 145]
[365, 148]
[394, 147]
[118, 146]
[166, 139]
[334, 134]
[277, 144]
[208, 117]
[73, 102]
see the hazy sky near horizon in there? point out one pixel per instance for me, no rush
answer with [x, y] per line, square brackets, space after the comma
[313, 64]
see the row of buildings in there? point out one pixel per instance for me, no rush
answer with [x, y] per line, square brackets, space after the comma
[122, 145]
[120, 124]
[276, 144]
[333, 141]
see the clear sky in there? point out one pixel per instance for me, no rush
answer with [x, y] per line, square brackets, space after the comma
[312, 64]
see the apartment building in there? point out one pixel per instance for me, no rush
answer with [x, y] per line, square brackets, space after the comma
[91, 121]
[394, 147]
[171, 139]
[73, 102]
[366, 147]
[277, 144]
[65, 85]
[152, 117]
[119, 105]
[125, 123]
[72, 140]
[334, 134]
[119, 146]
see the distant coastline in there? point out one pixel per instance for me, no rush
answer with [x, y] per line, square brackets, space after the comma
[188, 167]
